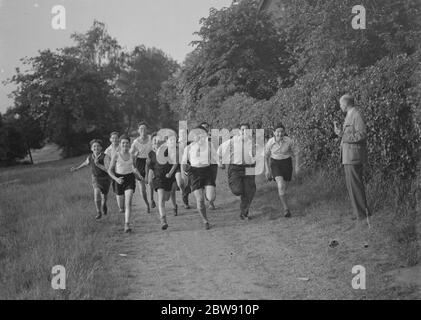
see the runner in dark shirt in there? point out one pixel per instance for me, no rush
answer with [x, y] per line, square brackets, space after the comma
[100, 179]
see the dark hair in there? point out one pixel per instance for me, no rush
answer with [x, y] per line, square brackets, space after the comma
[279, 125]
[95, 141]
[114, 133]
[142, 123]
[244, 124]
[201, 128]
[155, 133]
[124, 137]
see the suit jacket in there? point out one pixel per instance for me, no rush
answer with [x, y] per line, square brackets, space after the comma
[354, 139]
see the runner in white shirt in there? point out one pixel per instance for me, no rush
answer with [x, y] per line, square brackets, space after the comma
[123, 171]
[279, 151]
[214, 165]
[238, 152]
[140, 148]
[200, 172]
[110, 152]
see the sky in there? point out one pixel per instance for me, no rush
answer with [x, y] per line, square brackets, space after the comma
[26, 27]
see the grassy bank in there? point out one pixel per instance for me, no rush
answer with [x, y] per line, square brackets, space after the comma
[46, 219]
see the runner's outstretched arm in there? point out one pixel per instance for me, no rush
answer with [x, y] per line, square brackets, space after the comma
[82, 165]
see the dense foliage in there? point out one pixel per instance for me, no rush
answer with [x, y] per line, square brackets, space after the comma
[85, 91]
[326, 58]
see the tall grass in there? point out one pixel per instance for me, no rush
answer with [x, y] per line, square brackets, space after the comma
[46, 219]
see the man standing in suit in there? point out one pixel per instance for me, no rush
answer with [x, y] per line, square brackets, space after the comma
[354, 155]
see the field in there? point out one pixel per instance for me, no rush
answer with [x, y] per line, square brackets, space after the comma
[47, 219]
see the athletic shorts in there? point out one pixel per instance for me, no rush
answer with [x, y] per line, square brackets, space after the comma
[282, 168]
[101, 183]
[162, 182]
[129, 183]
[214, 170]
[200, 178]
[140, 165]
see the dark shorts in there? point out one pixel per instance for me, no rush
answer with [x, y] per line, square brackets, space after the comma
[282, 168]
[214, 170]
[101, 183]
[200, 178]
[140, 165]
[162, 182]
[129, 183]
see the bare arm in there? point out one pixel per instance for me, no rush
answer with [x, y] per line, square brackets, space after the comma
[135, 170]
[107, 161]
[111, 169]
[268, 170]
[184, 160]
[82, 165]
[171, 172]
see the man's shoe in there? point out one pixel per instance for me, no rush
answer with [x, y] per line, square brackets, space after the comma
[287, 213]
[127, 228]
[164, 224]
[98, 216]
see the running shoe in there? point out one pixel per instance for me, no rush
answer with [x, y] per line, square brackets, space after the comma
[98, 216]
[287, 213]
[127, 228]
[186, 200]
[164, 224]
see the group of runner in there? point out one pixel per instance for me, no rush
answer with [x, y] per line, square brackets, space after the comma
[123, 163]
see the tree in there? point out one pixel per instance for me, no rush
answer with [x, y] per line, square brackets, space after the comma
[139, 84]
[321, 37]
[239, 51]
[67, 97]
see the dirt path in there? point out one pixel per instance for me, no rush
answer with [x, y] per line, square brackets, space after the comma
[265, 258]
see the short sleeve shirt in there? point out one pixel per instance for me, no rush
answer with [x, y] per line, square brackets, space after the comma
[140, 148]
[283, 149]
[111, 151]
[197, 155]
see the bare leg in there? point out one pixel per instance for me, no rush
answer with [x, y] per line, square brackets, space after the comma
[144, 194]
[104, 203]
[128, 195]
[173, 198]
[151, 187]
[120, 203]
[179, 180]
[200, 201]
[282, 185]
[162, 197]
[210, 195]
[97, 200]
